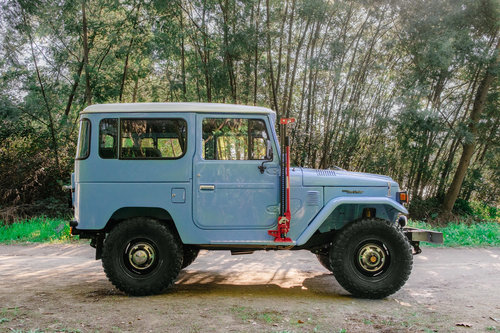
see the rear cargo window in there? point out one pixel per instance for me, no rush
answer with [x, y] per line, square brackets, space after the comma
[83, 147]
[108, 138]
[153, 138]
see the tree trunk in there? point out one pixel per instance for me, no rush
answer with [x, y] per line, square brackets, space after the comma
[55, 148]
[136, 88]
[256, 54]
[228, 59]
[129, 49]
[274, 98]
[469, 146]
[73, 89]
[88, 96]
[183, 66]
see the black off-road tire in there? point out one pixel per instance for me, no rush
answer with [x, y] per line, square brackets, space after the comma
[324, 260]
[136, 240]
[363, 243]
[190, 254]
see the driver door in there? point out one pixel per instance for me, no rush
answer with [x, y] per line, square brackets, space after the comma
[230, 192]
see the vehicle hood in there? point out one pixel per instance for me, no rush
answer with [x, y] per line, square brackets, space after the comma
[314, 177]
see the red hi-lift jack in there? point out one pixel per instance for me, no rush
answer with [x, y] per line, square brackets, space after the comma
[280, 234]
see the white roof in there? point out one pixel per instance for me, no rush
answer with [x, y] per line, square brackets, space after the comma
[175, 107]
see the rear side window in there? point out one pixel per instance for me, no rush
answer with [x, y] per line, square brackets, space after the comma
[83, 147]
[108, 138]
[153, 138]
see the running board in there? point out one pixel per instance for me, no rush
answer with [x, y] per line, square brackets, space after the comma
[252, 242]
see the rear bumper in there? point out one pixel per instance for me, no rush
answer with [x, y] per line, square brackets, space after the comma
[421, 235]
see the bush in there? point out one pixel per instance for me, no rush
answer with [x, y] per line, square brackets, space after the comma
[31, 183]
[424, 209]
[466, 211]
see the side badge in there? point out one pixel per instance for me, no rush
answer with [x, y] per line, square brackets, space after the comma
[352, 192]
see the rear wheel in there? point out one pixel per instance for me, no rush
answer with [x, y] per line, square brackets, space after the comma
[371, 258]
[190, 254]
[141, 257]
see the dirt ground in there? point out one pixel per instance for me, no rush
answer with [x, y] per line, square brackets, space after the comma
[60, 288]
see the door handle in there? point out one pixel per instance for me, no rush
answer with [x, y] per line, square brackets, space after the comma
[207, 187]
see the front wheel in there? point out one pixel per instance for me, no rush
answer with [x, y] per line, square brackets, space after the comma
[371, 258]
[141, 257]
[324, 260]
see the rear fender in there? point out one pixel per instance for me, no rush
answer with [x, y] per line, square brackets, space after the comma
[392, 209]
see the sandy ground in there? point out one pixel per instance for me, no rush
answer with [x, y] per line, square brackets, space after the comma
[60, 288]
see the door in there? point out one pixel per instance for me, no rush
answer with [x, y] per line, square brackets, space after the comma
[230, 191]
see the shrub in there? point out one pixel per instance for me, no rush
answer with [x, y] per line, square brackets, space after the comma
[31, 183]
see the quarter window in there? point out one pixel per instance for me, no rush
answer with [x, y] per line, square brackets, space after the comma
[153, 138]
[108, 138]
[83, 147]
[234, 139]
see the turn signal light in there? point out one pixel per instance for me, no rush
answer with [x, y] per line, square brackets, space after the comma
[403, 197]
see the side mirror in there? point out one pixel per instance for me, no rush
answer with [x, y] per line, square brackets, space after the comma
[269, 150]
[269, 156]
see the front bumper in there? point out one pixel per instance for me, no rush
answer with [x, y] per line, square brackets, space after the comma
[421, 235]
[415, 236]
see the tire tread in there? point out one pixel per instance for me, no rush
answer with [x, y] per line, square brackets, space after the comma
[119, 280]
[339, 247]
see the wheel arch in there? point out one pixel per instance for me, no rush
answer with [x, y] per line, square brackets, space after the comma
[156, 213]
[347, 213]
[339, 212]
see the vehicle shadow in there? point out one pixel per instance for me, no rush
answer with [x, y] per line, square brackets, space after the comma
[209, 282]
[212, 284]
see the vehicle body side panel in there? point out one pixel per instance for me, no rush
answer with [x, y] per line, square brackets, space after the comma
[99, 201]
[102, 186]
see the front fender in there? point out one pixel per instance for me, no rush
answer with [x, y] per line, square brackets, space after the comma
[334, 203]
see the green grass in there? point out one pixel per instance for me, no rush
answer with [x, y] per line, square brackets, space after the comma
[461, 234]
[37, 230]
[43, 229]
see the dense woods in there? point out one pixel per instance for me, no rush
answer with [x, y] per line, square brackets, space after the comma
[407, 88]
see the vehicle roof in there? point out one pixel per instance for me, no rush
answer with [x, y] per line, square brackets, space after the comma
[175, 107]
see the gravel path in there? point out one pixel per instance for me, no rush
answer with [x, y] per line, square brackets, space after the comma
[61, 288]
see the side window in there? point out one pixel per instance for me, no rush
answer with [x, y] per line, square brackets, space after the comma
[83, 147]
[108, 138]
[234, 139]
[153, 138]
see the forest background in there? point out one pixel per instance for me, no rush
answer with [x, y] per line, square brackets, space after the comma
[406, 88]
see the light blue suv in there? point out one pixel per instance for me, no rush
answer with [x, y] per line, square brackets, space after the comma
[154, 183]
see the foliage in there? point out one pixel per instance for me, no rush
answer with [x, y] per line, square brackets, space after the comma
[385, 87]
[463, 234]
[39, 229]
[469, 211]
